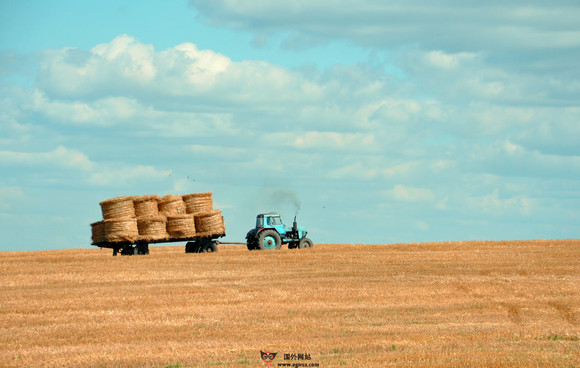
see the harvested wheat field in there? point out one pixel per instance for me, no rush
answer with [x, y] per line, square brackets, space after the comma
[478, 304]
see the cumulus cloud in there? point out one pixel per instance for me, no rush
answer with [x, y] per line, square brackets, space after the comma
[451, 26]
[493, 204]
[60, 157]
[411, 194]
[126, 67]
[78, 165]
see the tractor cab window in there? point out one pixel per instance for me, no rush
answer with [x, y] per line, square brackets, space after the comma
[259, 222]
[275, 221]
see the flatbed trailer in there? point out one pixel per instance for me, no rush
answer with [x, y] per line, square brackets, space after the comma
[203, 243]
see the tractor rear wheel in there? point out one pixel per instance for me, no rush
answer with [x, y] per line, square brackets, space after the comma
[269, 239]
[305, 243]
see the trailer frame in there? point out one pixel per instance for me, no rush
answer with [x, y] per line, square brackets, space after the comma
[200, 243]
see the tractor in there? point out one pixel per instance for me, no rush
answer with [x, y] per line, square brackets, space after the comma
[270, 233]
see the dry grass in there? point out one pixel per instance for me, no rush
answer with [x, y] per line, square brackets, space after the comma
[473, 304]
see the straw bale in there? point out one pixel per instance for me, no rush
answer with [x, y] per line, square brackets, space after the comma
[198, 202]
[181, 226]
[118, 207]
[172, 205]
[152, 228]
[121, 230]
[98, 232]
[210, 223]
[146, 206]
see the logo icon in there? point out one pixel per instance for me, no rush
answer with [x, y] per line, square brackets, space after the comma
[268, 358]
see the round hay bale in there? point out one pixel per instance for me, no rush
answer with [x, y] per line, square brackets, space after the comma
[210, 223]
[98, 232]
[180, 226]
[146, 206]
[121, 230]
[118, 207]
[198, 202]
[152, 228]
[172, 205]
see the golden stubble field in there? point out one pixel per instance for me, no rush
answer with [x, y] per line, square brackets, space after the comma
[479, 304]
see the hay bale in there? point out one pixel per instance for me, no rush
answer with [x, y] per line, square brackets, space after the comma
[152, 228]
[210, 223]
[172, 205]
[121, 230]
[198, 202]
[146, 206]
[181, 226]
[118, 207]
[98, 232]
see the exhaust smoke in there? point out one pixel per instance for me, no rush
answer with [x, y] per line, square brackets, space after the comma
[284, 198]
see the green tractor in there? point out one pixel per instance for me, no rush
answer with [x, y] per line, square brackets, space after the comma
[270, 233]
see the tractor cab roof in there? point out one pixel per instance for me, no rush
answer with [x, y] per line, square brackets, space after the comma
[269, 214]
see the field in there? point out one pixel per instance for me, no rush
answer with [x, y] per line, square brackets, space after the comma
[492, 304]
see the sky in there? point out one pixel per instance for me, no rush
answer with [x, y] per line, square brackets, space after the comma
[372, 121]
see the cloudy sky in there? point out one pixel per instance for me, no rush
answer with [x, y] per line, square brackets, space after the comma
[376, 121]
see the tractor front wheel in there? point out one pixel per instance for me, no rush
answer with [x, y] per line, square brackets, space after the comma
[251, 244]
[305, 243]
[269, 239]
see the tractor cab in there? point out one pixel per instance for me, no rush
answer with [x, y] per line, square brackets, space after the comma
[271, 220]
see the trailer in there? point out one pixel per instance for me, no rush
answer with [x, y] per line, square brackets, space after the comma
[202, 243]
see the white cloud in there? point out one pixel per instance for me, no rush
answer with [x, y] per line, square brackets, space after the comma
[335, 141]
[90, 172]
[61, 157]
[444, 60]
[103, 112]
[404, 193]
[355, 171]
[447, 26]
[493, 204]
[126, 67]
[108, 176]
[8, 197]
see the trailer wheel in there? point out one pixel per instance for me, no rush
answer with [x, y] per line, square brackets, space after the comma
[305, 243]
[210, 247]
[127, 250]
[142, 248]
[191, 247]
[269, 239]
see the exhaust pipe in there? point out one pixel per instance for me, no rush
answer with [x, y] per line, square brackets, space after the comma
[295, 226]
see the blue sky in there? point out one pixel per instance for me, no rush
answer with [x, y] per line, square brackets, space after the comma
[375, 121]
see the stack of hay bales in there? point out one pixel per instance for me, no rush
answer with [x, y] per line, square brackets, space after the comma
[151, 224]
[151, 218]
[208, 221]
[120, 222]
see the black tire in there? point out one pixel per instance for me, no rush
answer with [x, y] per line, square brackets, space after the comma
[142, 249]
[127, 250]
[305, 243]
[192, 247]
[250, 244]
[209, 247]
[269, 239]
